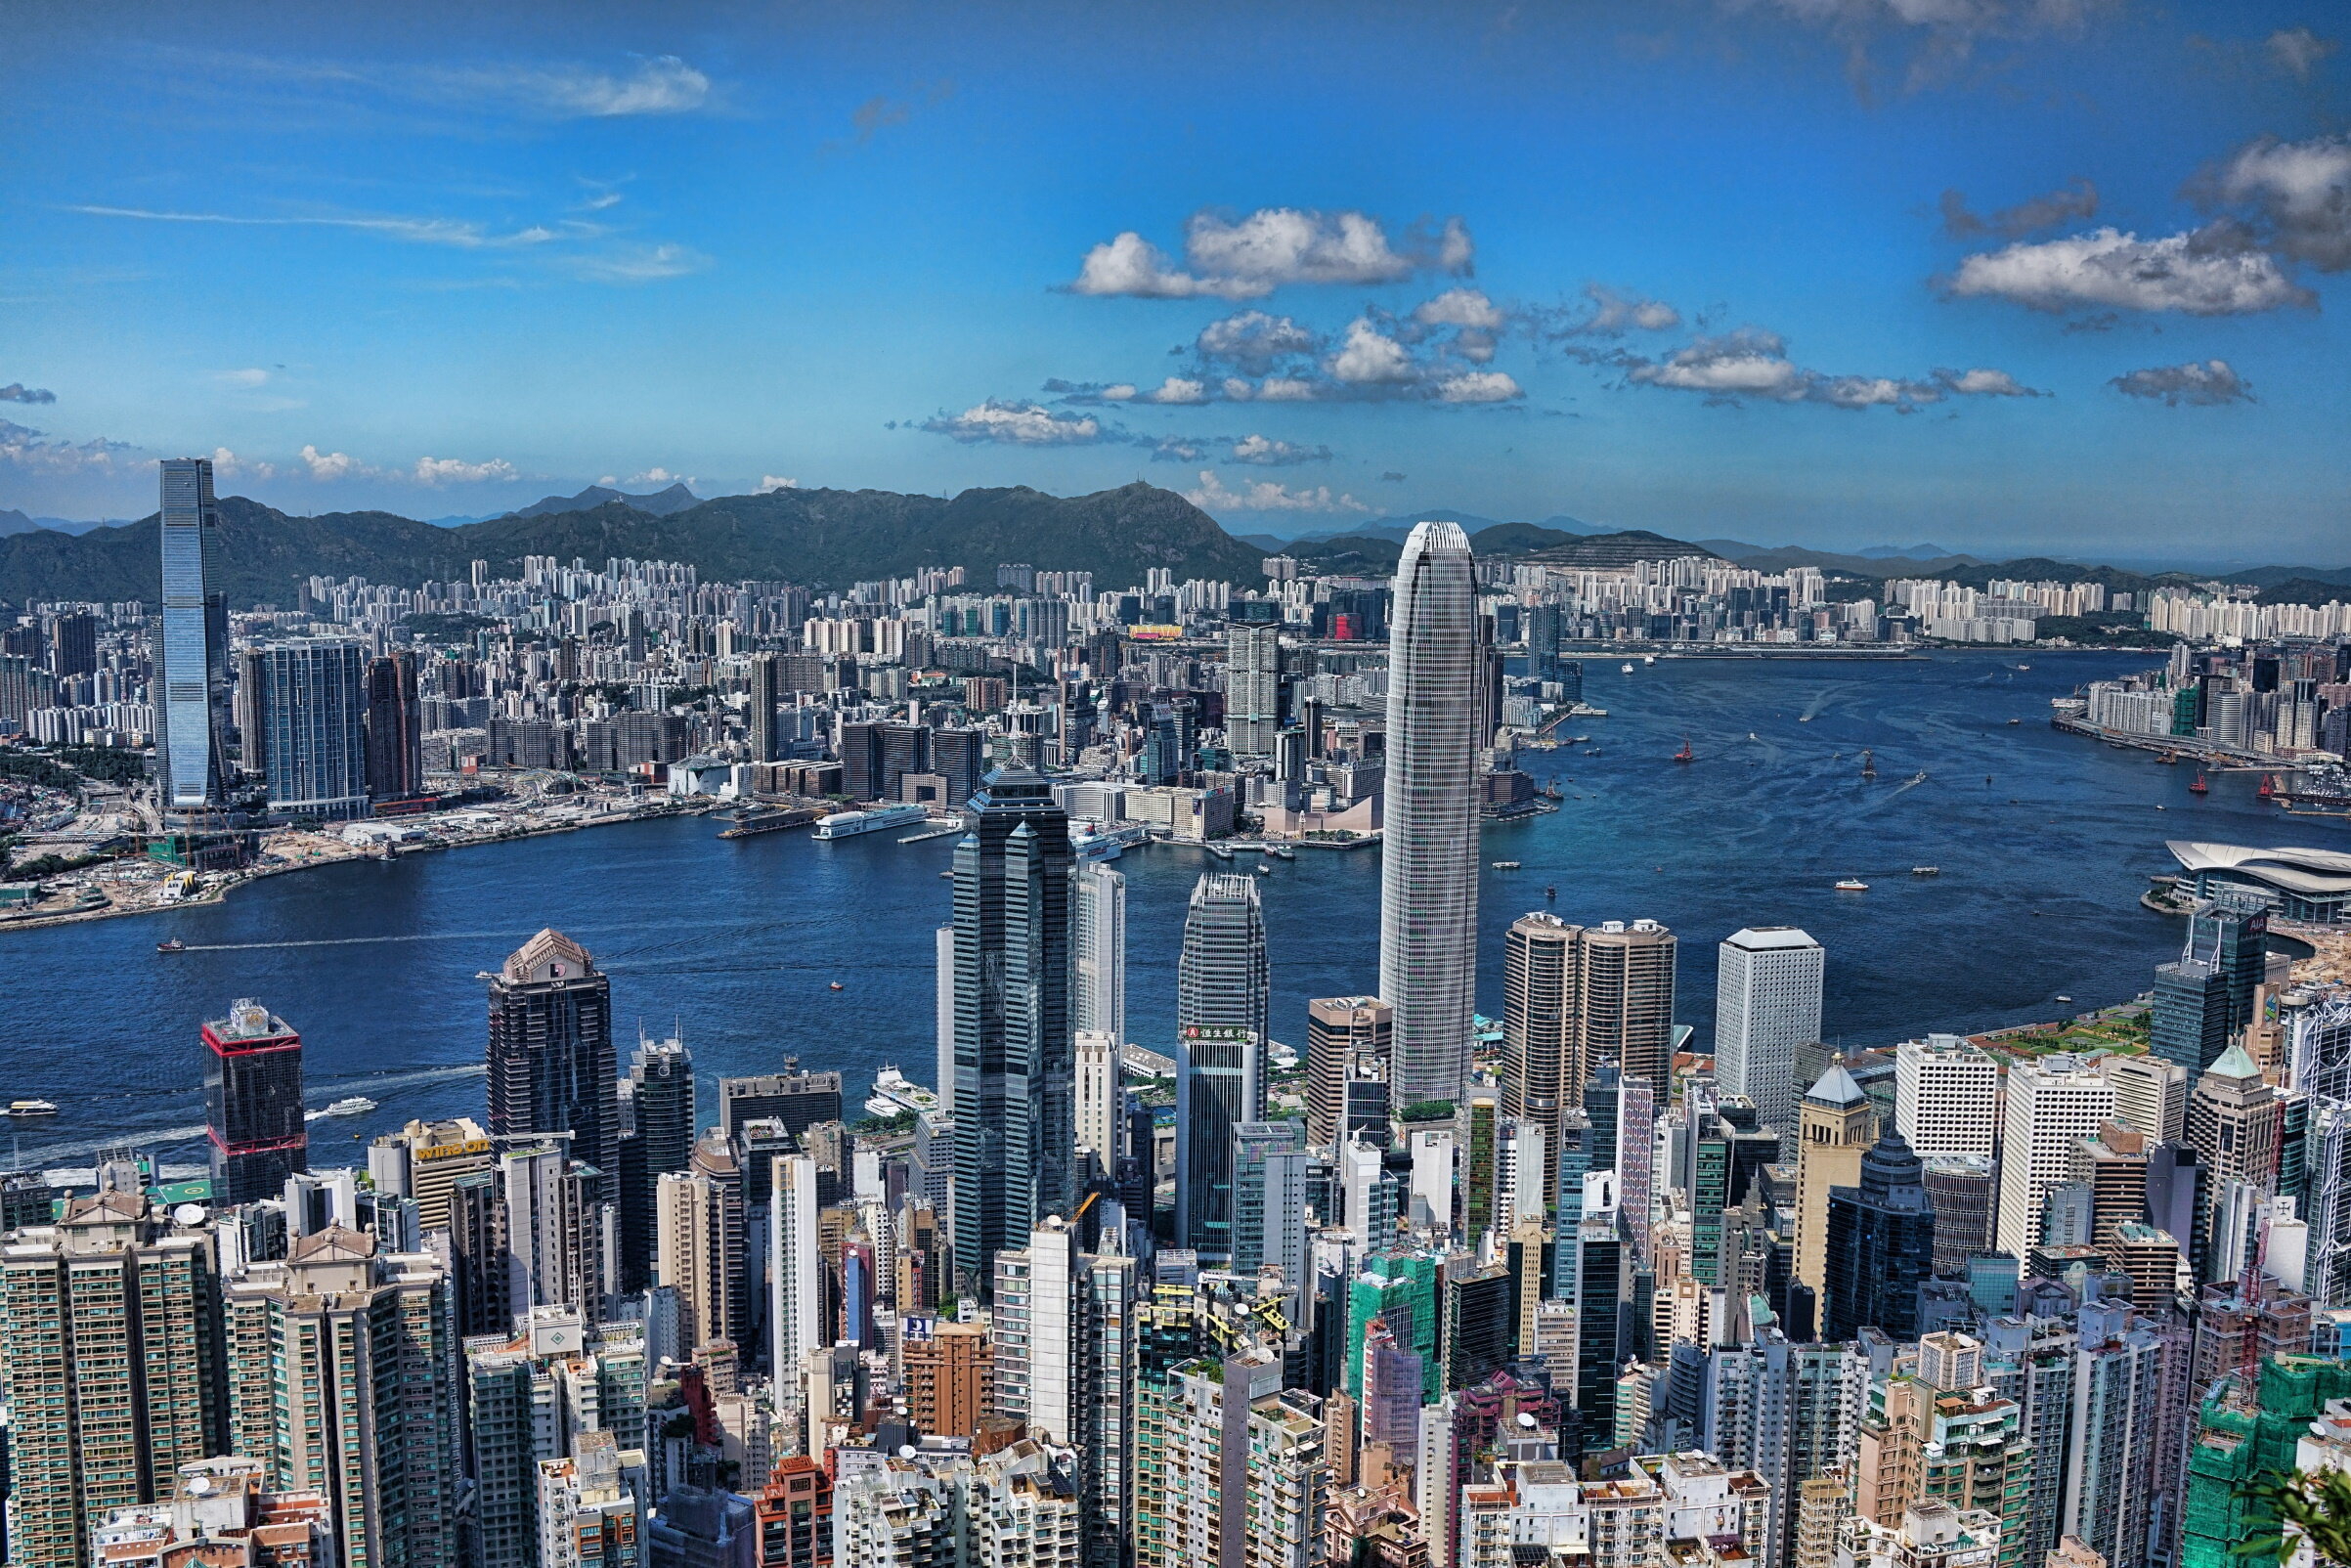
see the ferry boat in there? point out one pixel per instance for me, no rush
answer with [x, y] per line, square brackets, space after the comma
[31, 1108]
[1505, 865]
[171, 944]
[356, 1104]
[1926, 871]
[1091, 842]
[1852, 885]
[848, 824]
[894, 1094]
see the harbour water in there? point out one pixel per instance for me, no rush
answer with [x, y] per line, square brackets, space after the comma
[2044, 843]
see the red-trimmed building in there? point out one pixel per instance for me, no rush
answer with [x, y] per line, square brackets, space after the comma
[253, 1104]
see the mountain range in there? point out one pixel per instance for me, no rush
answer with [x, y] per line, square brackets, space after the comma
[823, 537]
[833, 538]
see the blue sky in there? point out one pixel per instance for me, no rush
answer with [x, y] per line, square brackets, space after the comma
[2002, 275]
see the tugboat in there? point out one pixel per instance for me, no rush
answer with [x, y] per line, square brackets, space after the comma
[2200, 787]
[2268, 786]
[1686, 755]
[171, 944]
[836, 986]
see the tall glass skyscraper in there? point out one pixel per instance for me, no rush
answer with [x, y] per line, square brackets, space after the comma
[1429, 874]
[551, 1057]
[1222, 984]
[1253, 689]
[1015, 1088]
[192, 656]
[1098, 926]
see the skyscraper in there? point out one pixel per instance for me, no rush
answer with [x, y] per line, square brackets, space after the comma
[1767, 1003]
[551, 1063]
[1222, 989]
[395, 728]
[759, 712]
[1835, 1124]
[1880, 1244]
[314, 714]
[253, 1104]
[1098, 945]
[2053, 1105]
[1015, 1090]
[1628, 996]
[1945, 1097]
[1252, 689]
[1344, 1034]
[1428, 871]
[191, 655]
[1543, 1075]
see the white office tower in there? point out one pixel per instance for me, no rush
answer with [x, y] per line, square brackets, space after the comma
[1767, 1003]
[2151, 1095]
[2053, 1105]
[1428, 869]
[796, 1282]
[1947, 1095]
[559, 1239]
[1252, 689]
[1431, 1205]
[1098, 1097]
[1098, 953]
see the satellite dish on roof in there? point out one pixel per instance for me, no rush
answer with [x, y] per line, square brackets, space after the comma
[1525, 1420]
[190, 1214]
[906, 1450]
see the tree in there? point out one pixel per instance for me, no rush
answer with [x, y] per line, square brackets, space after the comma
[2313, 1506]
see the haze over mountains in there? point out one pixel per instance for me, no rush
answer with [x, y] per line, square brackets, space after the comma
[833, 538]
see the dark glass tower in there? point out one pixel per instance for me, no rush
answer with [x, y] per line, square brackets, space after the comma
[253, 1105]
[191, 690]
[1881, 1245]
[1221, 991]
[1016, 1085]
[552, 1063]
[395, 728]
[661, 1102]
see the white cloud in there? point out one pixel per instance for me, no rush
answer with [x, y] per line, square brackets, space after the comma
[1265, 495]
[658, 475]
[454, 232]
[437, 471]
[1132, 265]
[1367, 356]
[332, 465]
[1253, 341]
[1238, 390]
[769, 484]
[1752, 362]
[2297, 51]
[1252, 256]
[638, 264]
[2212, 271]
[1458, 307]
[2205, 384]
[1478, 387]
[18, 392]
[254, 376]
[1175, 389]
[23, 448]
[1613, 312]
[1284, 389]
[663, 85]
[227, 465]
[1020, 425]
[2303, 189]
[1985, 383]
[1267, 453]
[1747, 363]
